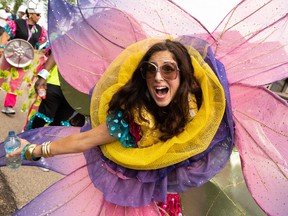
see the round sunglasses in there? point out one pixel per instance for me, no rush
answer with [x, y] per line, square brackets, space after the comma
[168, 70]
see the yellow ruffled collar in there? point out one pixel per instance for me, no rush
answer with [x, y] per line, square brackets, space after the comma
[197, 134]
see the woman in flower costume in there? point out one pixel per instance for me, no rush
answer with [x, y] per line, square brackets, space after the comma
[154, 144]
[14, 80]
[117, 180]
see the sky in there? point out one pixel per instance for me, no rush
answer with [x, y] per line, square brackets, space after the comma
[216, 8]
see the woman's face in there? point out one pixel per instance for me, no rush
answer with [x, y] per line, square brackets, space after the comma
[162, 89]
[35, 17]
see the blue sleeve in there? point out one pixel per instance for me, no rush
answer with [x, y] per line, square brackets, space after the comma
[119, 129]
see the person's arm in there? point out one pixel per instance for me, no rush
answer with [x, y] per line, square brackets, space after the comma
[3, 15]
[44, 73]
[3, 41]
[74, 143]
[49, 64]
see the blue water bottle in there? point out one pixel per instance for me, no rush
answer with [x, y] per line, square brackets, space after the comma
[11, 144]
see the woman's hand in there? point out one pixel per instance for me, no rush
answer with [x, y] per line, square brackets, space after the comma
[1, 51]
[5, 37]
[40, 83]
[18, 151]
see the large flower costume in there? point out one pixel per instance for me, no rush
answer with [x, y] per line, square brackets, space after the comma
[112, 36]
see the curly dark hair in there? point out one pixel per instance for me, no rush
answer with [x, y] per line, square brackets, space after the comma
[170, 120]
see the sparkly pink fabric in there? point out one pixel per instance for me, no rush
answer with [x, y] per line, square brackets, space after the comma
[261, 139]
[12, 26]
[172, 206]
[43, 36]
[81, 197]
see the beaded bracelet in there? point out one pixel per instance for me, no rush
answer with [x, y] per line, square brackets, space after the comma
[45, 148]
[2, 46]
[27, 152]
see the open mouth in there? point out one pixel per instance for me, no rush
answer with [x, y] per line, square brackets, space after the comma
[161, 90]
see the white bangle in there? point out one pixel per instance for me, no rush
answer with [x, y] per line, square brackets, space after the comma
[44, 74]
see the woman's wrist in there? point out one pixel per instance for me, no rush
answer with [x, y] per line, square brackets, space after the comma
[37, 151]
[45, 149]
[2, 46]
[44, 74]
[33, 152]
[27, 152]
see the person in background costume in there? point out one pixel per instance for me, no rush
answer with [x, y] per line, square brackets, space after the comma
[21, 12]
[152, 123]
[27, 30]
[8, 9]
[12, 16]
[54, 110]
[3, 18]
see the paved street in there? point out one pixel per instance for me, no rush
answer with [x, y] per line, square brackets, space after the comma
[25, 182]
